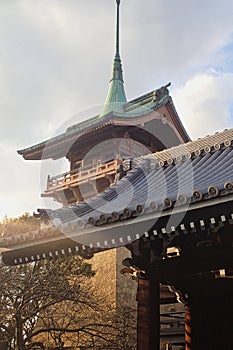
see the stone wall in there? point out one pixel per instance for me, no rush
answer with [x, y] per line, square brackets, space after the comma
[118, 290]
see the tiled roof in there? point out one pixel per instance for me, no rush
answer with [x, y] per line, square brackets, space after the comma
[132, 109]
[193, 176]
[196, 171]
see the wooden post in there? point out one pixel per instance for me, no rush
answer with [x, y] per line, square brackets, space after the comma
[209, 316]
[77, 193]
[148, 326]
[188, 328]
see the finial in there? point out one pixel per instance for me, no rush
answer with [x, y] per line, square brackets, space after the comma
[117, 28]
[116, 93]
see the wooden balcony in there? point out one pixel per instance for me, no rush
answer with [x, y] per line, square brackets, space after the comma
[72, 180]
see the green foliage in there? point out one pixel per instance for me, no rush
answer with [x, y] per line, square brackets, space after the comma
[21, 224]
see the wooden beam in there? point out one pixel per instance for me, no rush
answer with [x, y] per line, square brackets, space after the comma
[148, 318]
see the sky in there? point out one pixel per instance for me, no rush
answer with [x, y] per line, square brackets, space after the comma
[55, 65]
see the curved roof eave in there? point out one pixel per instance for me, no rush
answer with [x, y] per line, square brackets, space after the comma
[131, 110]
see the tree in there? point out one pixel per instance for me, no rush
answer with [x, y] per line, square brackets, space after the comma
[30, 293]
[53, 298]
[21, 224]
[52, 302]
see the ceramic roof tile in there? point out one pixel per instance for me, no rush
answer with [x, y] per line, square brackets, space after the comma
[153, 181]
[152, 186]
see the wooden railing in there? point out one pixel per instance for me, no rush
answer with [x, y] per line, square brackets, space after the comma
[82, 174]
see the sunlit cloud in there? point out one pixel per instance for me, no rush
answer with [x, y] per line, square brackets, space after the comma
[56, 58]
[205, 101]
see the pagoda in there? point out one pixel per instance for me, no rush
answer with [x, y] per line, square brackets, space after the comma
[123, 130]
[167, 199]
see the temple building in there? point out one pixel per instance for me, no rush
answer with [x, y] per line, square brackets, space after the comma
[136, 181]
[123, 130]
[96, 149]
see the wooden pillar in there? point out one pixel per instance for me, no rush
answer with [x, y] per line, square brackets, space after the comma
[188, 328]
[77, 193]
[209, 316]
[148, 318]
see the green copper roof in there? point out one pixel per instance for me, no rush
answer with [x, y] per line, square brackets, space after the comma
[116, 93]
[138, 107]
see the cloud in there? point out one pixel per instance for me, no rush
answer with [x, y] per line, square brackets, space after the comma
[20, 189]
[174, 39]
[56, 58]
[205, 103]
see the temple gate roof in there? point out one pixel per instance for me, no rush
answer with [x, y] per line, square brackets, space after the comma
[194, 179]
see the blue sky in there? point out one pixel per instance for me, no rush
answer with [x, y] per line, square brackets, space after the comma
[55, 62]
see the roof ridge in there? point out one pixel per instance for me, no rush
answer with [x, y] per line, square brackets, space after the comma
[192, 149]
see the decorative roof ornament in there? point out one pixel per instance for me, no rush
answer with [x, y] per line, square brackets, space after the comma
[116, 93]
